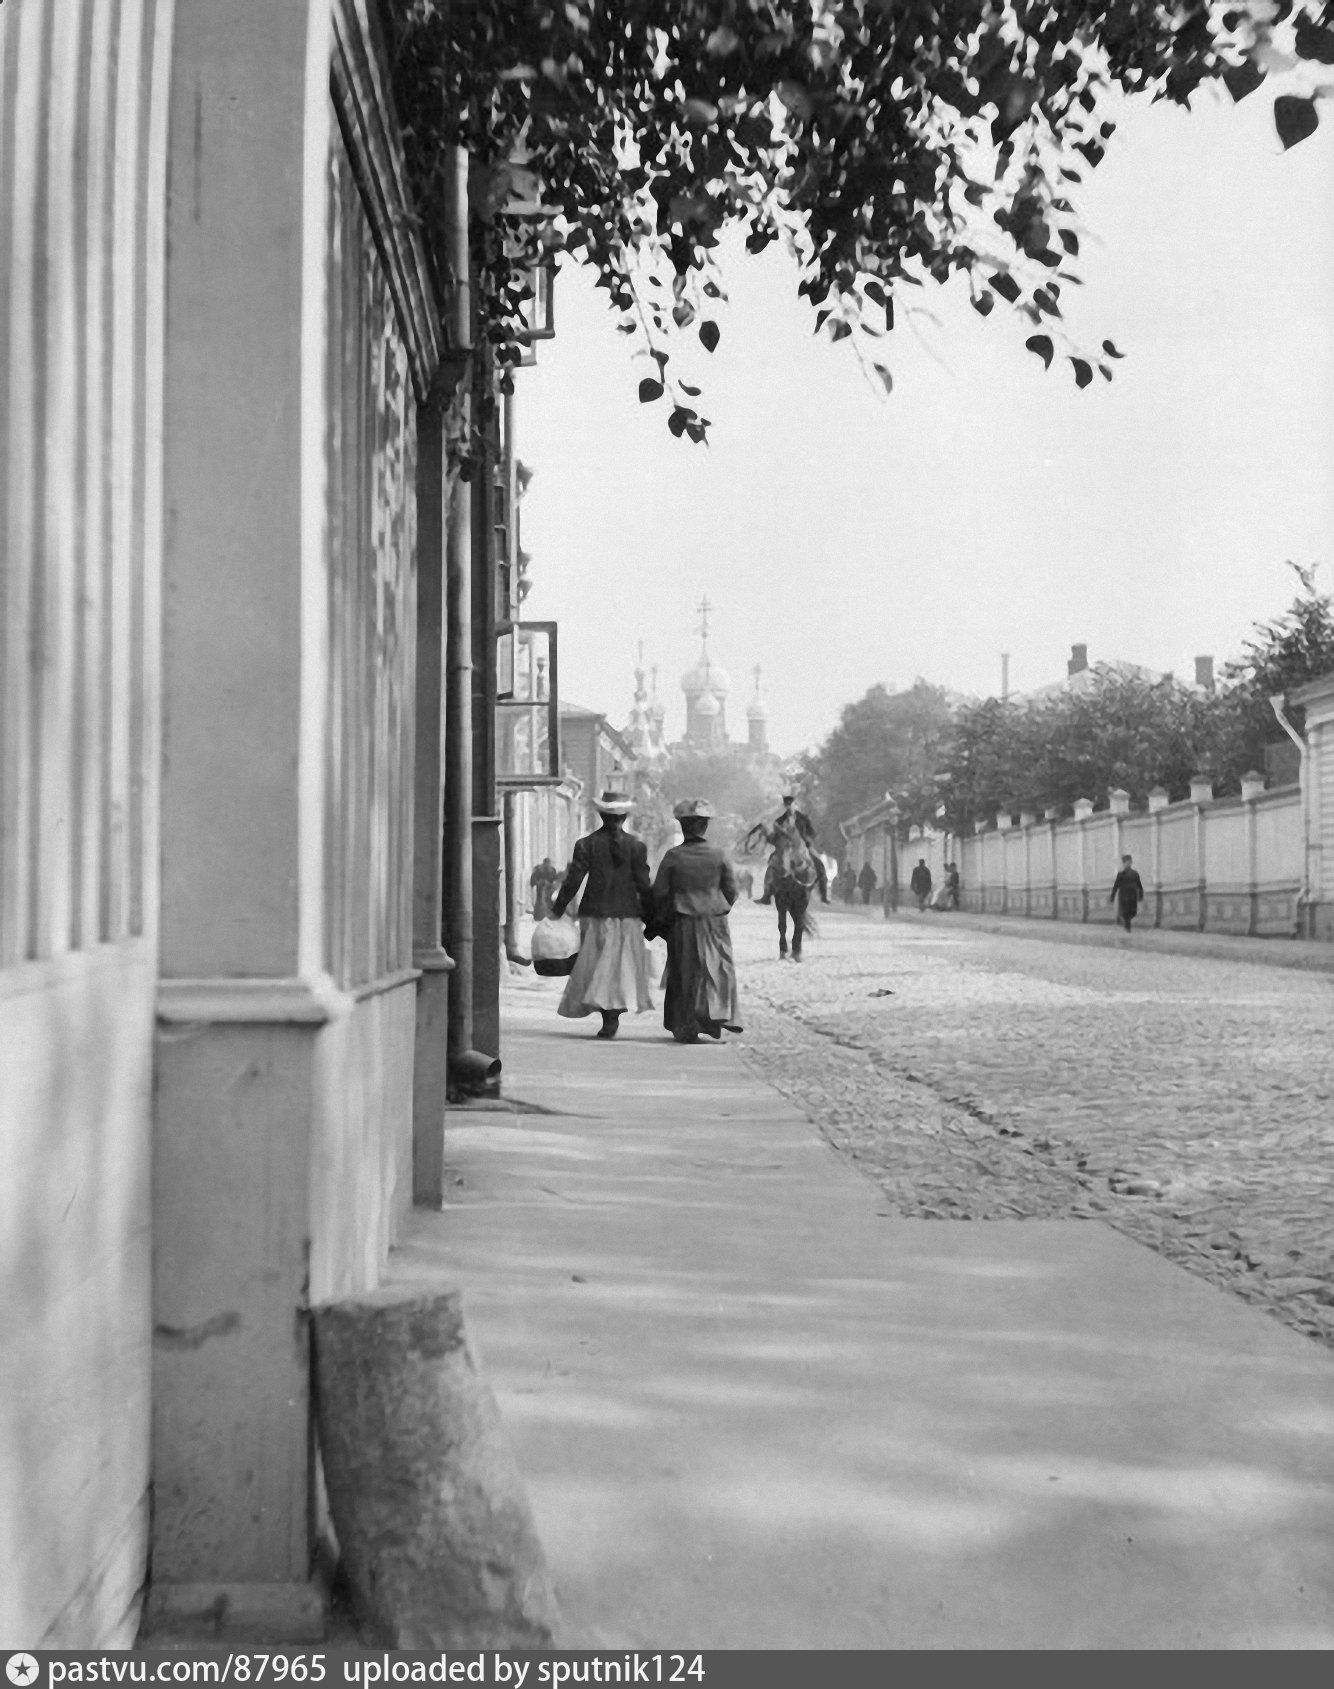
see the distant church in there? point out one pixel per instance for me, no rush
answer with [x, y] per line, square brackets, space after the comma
[707, 687]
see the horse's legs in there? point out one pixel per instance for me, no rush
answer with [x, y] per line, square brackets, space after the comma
[798, 931]
[782, 929]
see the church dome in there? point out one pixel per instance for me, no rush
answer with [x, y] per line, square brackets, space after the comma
[706, 676]
[707, 705]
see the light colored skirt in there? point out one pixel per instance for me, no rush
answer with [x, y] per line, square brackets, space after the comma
[611, 970]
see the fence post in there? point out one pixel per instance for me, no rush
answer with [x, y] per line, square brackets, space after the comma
[1201, 793]
[1159, 798]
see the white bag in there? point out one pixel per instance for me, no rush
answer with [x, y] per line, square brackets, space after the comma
[554, 940]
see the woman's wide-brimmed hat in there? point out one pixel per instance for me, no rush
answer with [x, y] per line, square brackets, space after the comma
[697, 809]
[614, 803]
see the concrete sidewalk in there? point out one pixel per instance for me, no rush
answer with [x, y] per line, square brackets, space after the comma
[754, 1410]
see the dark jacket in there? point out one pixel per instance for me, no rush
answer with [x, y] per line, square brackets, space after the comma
[921, 880]
[1127, 889]
[614, 888]
[694, 878]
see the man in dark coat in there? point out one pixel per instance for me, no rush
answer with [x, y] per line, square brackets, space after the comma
[867, 881]
[1127, 893]
[543, 881]
[920, 883]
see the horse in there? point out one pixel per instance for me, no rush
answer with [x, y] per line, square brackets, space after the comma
[794, 879]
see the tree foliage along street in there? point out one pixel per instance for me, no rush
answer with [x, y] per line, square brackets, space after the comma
[951, 764]
[886, 744]
[886, 143]
[741, 786]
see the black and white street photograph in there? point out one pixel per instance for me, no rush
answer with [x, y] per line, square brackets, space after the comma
[666, 838]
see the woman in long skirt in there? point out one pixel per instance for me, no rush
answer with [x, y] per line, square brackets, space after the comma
[611, 971]
[692, 894]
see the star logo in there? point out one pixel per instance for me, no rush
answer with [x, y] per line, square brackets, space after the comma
[22, 1669]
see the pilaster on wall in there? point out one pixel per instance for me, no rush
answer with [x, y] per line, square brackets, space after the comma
[301, 339]
[1317, 699]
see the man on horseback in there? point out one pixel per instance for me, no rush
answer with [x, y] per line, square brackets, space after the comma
[793, 826]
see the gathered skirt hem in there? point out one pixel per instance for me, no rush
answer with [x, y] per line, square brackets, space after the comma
[700, 990]
[610, 973]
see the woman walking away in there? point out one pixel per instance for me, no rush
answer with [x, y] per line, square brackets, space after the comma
[694, 889]
[611, 971]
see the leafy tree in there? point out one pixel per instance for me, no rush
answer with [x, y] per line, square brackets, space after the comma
[885, 743]
[741, 787]
[1120, 733]
[1279, 657]
[885, 143]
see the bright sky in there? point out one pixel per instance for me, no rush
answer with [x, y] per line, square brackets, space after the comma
[987, 506]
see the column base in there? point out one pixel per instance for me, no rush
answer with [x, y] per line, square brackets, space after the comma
[234, 1612]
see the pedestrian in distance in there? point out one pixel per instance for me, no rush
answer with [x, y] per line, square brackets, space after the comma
[693, 891]
[1127, 893]
[920, 883]
[611, 972]
[745, 881]
[543, 880]
[866, 880]
[952, 883]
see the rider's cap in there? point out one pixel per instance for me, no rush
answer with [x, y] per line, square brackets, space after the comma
[789, 797]
[697, 808]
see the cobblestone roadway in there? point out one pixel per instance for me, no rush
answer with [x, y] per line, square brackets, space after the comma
[1187, 1101]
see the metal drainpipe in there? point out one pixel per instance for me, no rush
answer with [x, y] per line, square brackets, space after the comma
[465, 1062]
[1276, 703]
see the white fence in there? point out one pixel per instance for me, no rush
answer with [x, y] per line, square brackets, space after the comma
[1217, 865]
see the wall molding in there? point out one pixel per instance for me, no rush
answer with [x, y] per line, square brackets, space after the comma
[364, 107]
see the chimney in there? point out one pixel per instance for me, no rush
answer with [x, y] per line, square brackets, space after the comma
[1079, 659]
[1204, 673]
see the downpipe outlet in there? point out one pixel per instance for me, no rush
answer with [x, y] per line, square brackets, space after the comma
[472, 1071]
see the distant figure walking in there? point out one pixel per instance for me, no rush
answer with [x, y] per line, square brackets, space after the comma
[1127, 893]
[611, 971]
[544, 879]
[952, 883]
[745, 882]
[693, 891]
[920, 883]
[867, 881]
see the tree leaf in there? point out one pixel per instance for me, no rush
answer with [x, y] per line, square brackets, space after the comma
[886, 379]
[679, 419]
[1005, 285]
[1294, 119]
[708, 334]
[984, 304]
[1315, 42]
[1111, 350]
[1083, 372]
[1243, 79]
[687, 388]
[649, 390]
[1042, 346]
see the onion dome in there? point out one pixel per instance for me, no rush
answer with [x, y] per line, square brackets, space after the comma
[708, 705]
[706, 676]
